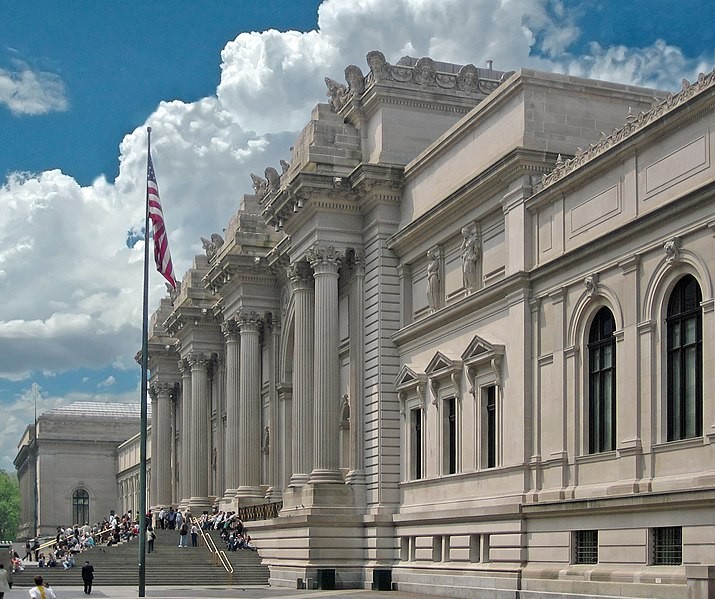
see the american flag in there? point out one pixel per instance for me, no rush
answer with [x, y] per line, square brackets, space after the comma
[162, 256]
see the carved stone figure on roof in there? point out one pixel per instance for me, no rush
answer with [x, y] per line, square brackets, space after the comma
[468, 78]
[173, 293]
[337, 93]
[355, 79]
[273, 178]
[260, 186]
[424, 72]
[212, 246]
[285, 166]
[378, 65]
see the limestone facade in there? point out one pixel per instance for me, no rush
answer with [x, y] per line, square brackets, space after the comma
[465, 338]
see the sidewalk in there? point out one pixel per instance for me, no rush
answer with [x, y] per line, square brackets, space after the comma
[218, 592]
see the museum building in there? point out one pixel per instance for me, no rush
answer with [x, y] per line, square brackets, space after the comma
[461, 341]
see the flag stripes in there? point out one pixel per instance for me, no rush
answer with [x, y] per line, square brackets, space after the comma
[162, 256]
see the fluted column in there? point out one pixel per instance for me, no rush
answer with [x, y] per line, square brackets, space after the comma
[326, 468]
[249, 409]
[230, 331]
[272, 441]
[302, 405]
[151, 474]
[356, 476]
[185, 432]
[161, 444]
[199, 458]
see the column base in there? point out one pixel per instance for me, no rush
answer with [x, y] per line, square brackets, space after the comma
[298, 480]
[327, 495]
[249, 495]
[321, 476]
[197, 505]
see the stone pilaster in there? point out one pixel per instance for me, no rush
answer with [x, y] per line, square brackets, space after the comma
[199, 431]
[230, 331]
[185, 432]
[249, 409]
[302, 404]
[326, 468]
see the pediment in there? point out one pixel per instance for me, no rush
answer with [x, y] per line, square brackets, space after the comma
[407, 378]
[480, 349]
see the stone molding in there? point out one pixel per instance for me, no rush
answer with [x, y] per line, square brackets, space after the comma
[633, 124]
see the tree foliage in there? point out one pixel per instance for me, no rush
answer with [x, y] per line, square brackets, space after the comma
[9, 506]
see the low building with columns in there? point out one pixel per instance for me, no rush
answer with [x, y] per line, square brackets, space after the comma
[463, 341]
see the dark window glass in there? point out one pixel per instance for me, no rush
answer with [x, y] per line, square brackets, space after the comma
[416, 444]
[668, 546]
[451, 435]
[491, 427]
[602, 383]
[685, 361]
[586, 547]
[80, 507]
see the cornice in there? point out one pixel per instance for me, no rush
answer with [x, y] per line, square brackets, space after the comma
[515, 163]
[494, 296]
[633, 124]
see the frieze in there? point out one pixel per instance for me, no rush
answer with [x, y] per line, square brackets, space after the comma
[633, 124]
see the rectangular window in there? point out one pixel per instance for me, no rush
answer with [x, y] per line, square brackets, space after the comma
[416, 443]
[450, 436]
[585, 547]
[667, 546]
[489, 427]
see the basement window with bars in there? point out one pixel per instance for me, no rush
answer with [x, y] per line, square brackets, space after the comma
[667, 546]
[586, 547]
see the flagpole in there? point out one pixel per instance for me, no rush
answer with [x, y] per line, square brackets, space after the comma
[145, 369]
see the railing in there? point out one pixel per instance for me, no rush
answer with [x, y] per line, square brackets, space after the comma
[263, 511]
[218, 555]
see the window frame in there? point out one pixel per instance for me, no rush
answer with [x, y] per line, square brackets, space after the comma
[597, 343]
[675, 402]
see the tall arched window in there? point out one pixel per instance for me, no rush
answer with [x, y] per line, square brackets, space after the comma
[602, 383]
[685, 361]
[80, 507]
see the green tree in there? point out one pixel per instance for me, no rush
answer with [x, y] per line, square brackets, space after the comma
[9, 506]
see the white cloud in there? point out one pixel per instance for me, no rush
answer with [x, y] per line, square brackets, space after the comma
[28, 92]
[108, 382]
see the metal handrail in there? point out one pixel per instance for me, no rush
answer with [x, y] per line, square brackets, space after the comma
[217, 554]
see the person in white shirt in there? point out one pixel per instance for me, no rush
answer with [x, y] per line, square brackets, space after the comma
[41, 590]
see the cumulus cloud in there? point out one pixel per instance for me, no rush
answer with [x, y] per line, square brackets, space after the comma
[108, 382]
[28, 92]
[70, 273]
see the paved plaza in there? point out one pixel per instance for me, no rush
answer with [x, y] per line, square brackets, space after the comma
[217, 592]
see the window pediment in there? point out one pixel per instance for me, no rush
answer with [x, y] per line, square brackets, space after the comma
[481, 354]
[442, 367]
[408, 382]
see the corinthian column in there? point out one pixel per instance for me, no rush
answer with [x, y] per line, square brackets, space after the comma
[161, 444]
[302, 405]
[230, 331]
[185, 432]
[326, 468]
[151, 500]
[199, 476]
[249, 409]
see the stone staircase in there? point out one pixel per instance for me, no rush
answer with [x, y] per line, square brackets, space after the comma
[168, 564]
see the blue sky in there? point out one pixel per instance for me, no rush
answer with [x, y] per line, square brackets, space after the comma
[226, 86]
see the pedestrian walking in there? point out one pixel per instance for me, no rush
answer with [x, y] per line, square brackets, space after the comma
[183, 535]
[41, 590]
[150, 536]
[87, 577]
[194, 535]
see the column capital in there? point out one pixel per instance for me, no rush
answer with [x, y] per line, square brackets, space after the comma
[198, 360]
[160, 388]
[324, 259]
[249, 321]
[300, 275]
[229, 328]
[354, 263]
[184, 366]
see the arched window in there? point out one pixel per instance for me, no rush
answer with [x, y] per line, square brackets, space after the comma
[80, 507]
[602, 383]
[685, 361]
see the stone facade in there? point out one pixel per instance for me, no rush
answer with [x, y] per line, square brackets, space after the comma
[72, 454]
[446, 338]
